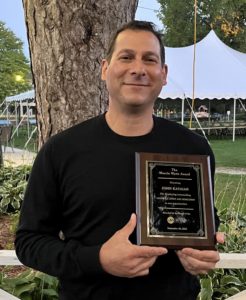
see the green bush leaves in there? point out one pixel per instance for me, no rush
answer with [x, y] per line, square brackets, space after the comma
[31, 285]
[220, 284]
[12, 186]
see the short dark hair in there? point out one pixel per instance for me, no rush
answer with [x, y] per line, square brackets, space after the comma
[137, 25]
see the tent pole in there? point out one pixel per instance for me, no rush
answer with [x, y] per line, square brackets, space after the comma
[242, 104]
[8, 113]
[234, 120]
[194, 62]
[199, 124]
[28, 123]
[16, 117]
[182, 111]
[2, 104]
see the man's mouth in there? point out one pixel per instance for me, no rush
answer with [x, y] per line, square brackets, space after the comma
[135, 84]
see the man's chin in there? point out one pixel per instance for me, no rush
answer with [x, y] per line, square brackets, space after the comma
[134, 102]
[138, 106]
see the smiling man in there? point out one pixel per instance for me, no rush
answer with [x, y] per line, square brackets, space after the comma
[83, 184]
[134, 72]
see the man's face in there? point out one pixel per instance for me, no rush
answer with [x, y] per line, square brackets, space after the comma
[134, 76]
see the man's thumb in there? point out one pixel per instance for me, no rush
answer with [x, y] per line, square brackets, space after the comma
[128, 229]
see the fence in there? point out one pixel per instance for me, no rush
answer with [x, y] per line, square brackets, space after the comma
[227, 261]
[6, 296]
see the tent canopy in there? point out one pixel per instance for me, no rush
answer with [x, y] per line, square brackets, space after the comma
[21, 97]
[220, 71]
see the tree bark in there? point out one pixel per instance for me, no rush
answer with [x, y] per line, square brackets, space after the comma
[67, 41]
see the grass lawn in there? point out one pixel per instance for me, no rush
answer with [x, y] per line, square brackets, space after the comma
[229, 153]
[230, 192]
[19, 140]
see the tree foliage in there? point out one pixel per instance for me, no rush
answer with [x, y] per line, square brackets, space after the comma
[226, 17]
[14, 67]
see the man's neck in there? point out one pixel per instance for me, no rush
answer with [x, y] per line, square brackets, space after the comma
[130, 124]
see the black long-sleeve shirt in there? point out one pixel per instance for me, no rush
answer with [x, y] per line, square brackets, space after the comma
[83, 184]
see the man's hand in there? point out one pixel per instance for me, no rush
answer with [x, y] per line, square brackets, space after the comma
[119, 257]
[200, 261]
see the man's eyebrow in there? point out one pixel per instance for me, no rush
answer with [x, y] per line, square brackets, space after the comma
[126, 51]
[146, 53]
[150, 53]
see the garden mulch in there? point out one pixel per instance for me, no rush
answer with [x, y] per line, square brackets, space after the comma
[7, 243]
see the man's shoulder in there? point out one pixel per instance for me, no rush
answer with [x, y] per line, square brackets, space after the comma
[165, 124]
[80, 130]
[75, 136]
[174, 130]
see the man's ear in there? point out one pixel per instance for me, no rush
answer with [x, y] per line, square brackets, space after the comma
[164, 74]
[104, 69]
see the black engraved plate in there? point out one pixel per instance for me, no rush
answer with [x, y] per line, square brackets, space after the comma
[174, 201]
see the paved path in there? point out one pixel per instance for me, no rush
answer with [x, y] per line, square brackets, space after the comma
[233, 171]
[14, 156]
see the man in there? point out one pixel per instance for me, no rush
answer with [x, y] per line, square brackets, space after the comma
[83, 184]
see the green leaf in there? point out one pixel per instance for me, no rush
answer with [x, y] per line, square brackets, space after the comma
[206, 289]
[26, 296]
[50, 293]
[229, 279]
[19, 290]
[16, 281]
[47, 279]
[232, 291]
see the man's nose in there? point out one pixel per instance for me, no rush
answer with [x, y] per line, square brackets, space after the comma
[138, 68]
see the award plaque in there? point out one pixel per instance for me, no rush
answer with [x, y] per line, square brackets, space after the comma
[174, 201]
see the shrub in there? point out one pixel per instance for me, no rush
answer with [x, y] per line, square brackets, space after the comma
[31, 285]
[13, 182]
[220, 284]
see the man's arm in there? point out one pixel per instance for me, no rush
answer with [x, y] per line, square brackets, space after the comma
[37, 239]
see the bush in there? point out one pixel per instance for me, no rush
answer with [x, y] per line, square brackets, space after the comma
[220, 284]
[31, 285]
[13, 182]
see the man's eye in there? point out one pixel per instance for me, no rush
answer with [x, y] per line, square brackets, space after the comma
[153, 60]
[125, 57]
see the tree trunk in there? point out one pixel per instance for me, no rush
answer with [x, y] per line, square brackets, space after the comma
[67, 40]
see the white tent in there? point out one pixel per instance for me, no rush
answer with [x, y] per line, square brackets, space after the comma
[220, 71]
[21, 97]
[24, 111]
[25, 100]
[172, 90]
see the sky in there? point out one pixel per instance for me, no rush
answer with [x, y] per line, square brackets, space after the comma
[11, 13]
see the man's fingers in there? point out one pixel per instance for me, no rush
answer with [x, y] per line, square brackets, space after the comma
[144, 272]
[142, 266]
[206, 256]
[195, 266]
[220, 237]
[119, 257]
[147, 251]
